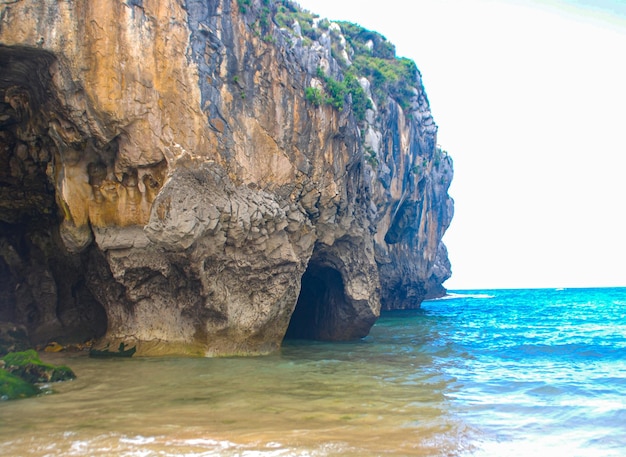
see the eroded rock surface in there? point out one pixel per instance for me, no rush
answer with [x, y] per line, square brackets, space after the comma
[203, 177]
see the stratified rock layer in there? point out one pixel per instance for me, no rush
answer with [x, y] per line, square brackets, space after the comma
[170, 181]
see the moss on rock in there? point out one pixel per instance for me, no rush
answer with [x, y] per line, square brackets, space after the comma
[28, 368]
[12, 387]
[22, 358]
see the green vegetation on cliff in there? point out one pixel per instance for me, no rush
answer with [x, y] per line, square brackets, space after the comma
[314, 96]
[336, 91]
[375, 58]
[288, 12]
[370, 55]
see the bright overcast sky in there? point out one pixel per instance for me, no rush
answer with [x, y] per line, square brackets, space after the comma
[530, 100]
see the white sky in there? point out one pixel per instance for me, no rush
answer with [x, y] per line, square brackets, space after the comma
[530, 100]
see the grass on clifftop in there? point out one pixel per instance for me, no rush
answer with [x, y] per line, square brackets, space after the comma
[375, 58]
[371, 55]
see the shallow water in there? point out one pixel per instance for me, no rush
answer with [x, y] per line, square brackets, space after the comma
[488, 373]
[547, 372]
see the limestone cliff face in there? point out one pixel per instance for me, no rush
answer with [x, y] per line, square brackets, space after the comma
[204, 176]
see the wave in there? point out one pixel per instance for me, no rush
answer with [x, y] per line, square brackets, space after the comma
[455, 295]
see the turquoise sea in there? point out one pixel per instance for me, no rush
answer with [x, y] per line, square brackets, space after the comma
[480, 373]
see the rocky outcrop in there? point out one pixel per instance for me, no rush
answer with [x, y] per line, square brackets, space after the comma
[204, 177]
[22, 372]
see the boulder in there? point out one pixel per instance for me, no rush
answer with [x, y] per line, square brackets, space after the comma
[21, 371]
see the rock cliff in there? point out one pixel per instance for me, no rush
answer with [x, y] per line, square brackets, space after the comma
[205, 176]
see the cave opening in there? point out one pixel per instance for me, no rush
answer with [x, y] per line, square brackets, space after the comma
[43, 287]
[321, 307]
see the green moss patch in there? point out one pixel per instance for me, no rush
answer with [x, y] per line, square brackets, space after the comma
[12, 387]
[28, 366]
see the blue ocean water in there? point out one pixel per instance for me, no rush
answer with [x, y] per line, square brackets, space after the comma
[537, 371]
[482, 373]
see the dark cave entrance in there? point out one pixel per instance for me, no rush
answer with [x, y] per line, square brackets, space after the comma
[322, 307]
[321, 290]
[43, 287]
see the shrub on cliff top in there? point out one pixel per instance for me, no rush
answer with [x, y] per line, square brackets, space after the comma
[288, 12]
[397, 77]
[360, 39]
[371, 54]
[375, 58]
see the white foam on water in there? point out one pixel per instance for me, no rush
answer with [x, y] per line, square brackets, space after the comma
[79, 447]
[553, 446]
[137, 439]
[206, 442]
[456, 295]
